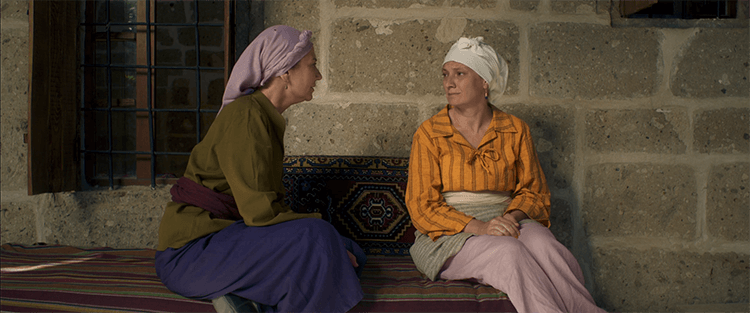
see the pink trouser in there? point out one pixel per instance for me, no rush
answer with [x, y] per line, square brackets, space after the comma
[536, 271]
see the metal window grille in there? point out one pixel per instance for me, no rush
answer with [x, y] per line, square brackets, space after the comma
[679, 9]
[153, 75]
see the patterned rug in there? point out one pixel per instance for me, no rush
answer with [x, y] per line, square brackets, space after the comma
[363, 197]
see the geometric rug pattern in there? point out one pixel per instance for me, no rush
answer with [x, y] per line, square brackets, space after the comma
[363, 197]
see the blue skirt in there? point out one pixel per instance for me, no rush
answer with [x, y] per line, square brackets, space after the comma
[295, 266]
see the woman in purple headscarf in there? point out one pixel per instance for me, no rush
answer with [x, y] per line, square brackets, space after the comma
[227, 234]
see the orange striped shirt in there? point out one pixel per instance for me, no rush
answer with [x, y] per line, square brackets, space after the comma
[442, 160]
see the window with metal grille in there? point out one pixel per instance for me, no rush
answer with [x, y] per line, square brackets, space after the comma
[680, 13]
[683, 9]
[153, 75]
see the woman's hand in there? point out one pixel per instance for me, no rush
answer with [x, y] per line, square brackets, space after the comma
[352, 258]
[499, 226]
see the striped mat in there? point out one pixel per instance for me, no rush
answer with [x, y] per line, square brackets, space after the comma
[393, 284]
[69, 279]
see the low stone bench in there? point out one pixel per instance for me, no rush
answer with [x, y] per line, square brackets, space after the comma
[363, 197]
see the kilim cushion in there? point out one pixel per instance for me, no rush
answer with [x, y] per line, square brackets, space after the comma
[363, 197]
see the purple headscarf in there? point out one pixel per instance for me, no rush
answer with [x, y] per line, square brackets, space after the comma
[276, 50]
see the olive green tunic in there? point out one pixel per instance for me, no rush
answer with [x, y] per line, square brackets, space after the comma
[242, 155]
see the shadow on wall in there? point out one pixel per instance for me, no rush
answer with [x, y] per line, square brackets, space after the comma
[552, 129]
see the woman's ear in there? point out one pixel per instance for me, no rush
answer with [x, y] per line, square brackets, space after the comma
[285, 78]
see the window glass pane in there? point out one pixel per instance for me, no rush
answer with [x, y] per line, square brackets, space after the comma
[123, 131]
[171, 166]
[96, 131]
[175, 89]
[124, 49]
[124, 88]
[97, 168]
[96, 87]
[123, 11]
[100, 8]
[186, 37]
[211, 47]
[124, 165]
[212, 89]
[101, 49]
[175, 11]
[211, 11]
[175, 131]
[207, 118]
[169, 50]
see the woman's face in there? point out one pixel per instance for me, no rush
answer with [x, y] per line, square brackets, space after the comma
[302, 78]
[462, 85]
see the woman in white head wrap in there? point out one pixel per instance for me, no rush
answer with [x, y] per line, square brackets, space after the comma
[478, 197]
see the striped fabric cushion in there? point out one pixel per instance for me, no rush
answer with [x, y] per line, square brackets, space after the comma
[393, 284]
[68, 279]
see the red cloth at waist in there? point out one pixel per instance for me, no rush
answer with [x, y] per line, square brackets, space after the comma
[220, 205]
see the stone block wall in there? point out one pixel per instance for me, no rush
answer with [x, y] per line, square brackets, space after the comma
[643, 133]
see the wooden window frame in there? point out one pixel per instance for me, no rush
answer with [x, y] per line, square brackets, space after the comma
[53, 100]
[53, 140]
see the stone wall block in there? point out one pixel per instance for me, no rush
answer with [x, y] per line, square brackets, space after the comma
[350, 129]
[657, 280]
[14, 169]
[561, 221]
[416, 4]
[406, 57]
[603, 6]
[125, 218]
[728, 213]
[716, 63]
[524, 5]
[380, 56]
[18, 222]
[587, 61]
[722, 131]
[300, 14]
[14, 98]
[640, 200]
[552, 129]
[646, 130]
[15, 10]
[15, 70]
[574, 6]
